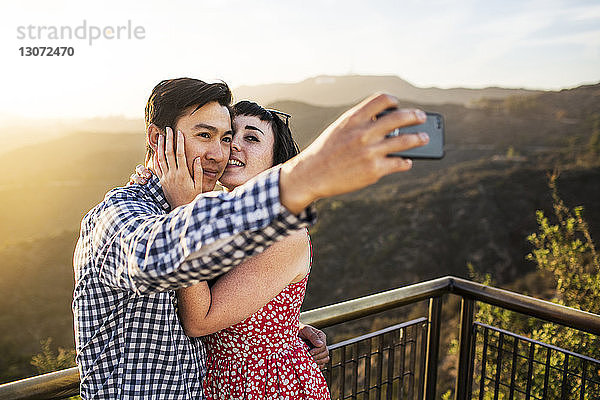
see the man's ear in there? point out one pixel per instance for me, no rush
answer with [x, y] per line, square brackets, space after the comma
[152, 134]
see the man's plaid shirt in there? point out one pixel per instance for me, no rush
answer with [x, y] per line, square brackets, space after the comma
[133, 253]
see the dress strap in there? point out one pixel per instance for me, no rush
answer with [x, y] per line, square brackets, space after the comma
[311, 249]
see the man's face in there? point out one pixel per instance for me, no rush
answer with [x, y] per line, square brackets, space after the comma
[207, 135]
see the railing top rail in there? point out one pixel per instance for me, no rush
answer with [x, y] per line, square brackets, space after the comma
[542, 309]
[368, 305]
[54, 385]
[375, 303]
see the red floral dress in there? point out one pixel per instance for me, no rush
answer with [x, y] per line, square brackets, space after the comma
[262, 357]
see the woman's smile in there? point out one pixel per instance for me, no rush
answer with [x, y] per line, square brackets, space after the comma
[233, 163]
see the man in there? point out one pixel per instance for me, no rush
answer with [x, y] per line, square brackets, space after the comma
[133, 252]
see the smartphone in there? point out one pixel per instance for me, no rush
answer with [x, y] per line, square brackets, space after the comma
[433, 126]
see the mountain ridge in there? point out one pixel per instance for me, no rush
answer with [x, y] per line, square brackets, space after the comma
[330, 90]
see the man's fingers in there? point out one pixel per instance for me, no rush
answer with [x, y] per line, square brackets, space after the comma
[311, 334]
[322, 362]
[180, 152]
[134, 178]
[375, 104]
[319, 352]
[170, 156]
[160, 157]
[320, 355]
[198, 173]
[155, 167]
[397, 119]
[143, 172]
[401, 142]
[390, 165]
[321, 358]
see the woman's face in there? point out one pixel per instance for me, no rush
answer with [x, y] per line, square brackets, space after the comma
[251, 150]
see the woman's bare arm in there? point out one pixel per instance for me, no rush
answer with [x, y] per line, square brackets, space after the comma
[245, 289]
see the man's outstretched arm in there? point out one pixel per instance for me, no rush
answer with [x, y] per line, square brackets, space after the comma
[137, 249]
[212, 234]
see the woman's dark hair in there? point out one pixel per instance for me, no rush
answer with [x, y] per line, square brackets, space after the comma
[284, 147]
[170, 98]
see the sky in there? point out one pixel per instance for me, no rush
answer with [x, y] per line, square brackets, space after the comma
[550, 44]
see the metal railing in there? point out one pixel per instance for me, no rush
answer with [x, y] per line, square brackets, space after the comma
[357, 366]
[384, 364]
[513, 366]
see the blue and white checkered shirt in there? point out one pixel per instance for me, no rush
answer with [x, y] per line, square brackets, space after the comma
[133, 253]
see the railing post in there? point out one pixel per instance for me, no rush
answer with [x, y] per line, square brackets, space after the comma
[433, 347]
[465, 358]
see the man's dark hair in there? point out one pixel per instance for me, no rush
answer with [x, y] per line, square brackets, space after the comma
[284, 146]
[170, 98]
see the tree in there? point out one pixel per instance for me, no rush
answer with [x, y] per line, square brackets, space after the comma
[565, 249]
[48, 361]
[568, 252]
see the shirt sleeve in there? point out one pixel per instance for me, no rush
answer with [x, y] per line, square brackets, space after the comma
[145, 252]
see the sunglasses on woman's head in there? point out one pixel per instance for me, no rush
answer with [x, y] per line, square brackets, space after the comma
[281, 114]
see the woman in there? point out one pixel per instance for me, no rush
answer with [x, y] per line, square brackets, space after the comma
[261, 356]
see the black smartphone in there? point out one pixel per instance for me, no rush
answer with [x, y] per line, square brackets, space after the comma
[433, 126]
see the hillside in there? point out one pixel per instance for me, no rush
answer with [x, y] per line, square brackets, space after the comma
[479, 212]
[339, 90]
[51, 185]
[16, 132]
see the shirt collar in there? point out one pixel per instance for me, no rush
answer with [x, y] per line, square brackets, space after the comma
[155, 189]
